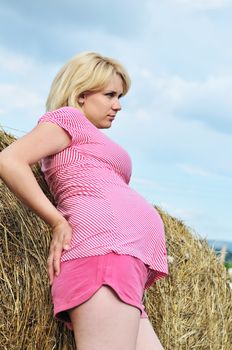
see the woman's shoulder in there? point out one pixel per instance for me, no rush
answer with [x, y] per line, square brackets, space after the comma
[66, 115]
[65, 111]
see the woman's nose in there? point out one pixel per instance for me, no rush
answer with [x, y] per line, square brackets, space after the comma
[116, 105]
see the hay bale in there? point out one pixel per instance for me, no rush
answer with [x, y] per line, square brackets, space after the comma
[190, 309]
[26, 318]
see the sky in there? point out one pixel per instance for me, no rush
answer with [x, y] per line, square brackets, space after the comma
[176, 120]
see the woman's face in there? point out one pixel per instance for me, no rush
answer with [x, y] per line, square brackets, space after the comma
[101, 107]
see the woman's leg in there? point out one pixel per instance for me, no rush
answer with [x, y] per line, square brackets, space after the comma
[105, 322]
[147, 339]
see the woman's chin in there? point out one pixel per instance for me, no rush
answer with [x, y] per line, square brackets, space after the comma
[106, 125]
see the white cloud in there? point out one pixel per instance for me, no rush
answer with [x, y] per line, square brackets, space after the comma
[45, 27]
[15, 96]
[204, 4]
[19, 106]
[15, 63]
[146, 183]
[183, 213]
[23, 88]
[200, 172]
[170, 129]
[194, 170]
[207, 101]
[17, 66]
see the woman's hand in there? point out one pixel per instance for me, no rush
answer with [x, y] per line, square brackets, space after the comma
[62, 234]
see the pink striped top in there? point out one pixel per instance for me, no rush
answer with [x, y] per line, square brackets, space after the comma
[90, 183]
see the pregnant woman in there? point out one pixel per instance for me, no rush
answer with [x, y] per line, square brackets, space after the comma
[108, 242]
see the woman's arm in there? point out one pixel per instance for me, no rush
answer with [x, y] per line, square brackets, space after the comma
[45, 139]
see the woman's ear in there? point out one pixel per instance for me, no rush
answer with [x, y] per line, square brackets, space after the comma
[81, 99]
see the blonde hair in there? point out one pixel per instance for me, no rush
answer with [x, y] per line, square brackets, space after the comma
[86, 72]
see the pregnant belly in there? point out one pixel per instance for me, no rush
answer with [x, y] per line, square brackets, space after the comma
[134, 212]
[121, 211]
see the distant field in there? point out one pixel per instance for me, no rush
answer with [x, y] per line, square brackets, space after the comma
[217, 245]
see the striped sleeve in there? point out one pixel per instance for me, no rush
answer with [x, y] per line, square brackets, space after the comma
[66, 119]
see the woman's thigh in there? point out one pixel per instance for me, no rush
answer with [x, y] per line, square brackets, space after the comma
[105, 322]
[147, 338]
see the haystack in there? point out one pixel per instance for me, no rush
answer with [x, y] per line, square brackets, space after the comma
[190, 309]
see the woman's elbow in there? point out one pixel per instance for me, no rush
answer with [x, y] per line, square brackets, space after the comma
[6, 162]
[3, 161]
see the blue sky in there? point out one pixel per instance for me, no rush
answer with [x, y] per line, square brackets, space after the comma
[176, 121]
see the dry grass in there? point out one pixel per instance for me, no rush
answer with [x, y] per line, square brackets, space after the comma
[190, 309]
[26, 319]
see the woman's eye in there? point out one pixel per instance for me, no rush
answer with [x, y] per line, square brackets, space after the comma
[112, 95]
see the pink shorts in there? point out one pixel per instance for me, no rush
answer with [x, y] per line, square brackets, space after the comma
[80, 278]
